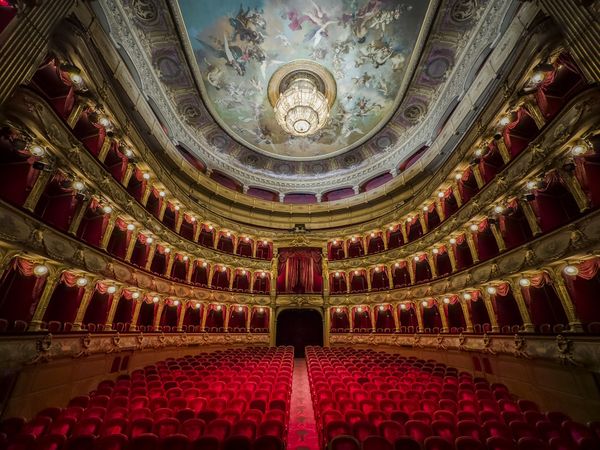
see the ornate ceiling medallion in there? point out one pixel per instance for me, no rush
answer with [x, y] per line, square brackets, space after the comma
[302, 93]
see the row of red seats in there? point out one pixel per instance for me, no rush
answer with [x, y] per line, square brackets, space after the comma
[379, 401]
[233, 399]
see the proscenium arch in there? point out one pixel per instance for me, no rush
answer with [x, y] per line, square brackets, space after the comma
[275, 330]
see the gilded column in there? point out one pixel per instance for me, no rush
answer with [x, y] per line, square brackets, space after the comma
[345, 244]
[189, 271]
[251, 281]
[388, 270]
[181, 318]
[254, 247]
[136, 313]
[581, 27]
[151, 253]
[478, 176]
[146, 194]
[179, 222]
[196, 231]
[169, 264]
[236, 242]
[396, 318]
[104, 149]
[78, 215]
[563, 294]
[110, 226]
[528, 326]
[248, 318]
[75, 114]
[411, 272]
[272, 324]
[504, 153]
[531, 217]
[215, 237]
[423, 222]
[37, 190]
[127, 174]
[327, 330]
[432, 265]
[113, 308]
[51, 281]
[163, 209]
[444, 317]
[451, 256]
[158, 314]
[348, 276]
[456, 193]
[384, 236]
[531, 105]
[472, 247]
[368, 273]
[22, 52]
[419, 311]
[439, 209]
[574, 187]
[373, 323]
[204, 316]
[84, 303]
[365, 244]
[131, 246]
[490, 310]
[498, 236]
[466, 313]
[227, 313]
[351, 318]
[231, 278]
[404, 232]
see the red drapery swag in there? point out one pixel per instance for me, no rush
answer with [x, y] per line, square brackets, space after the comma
[301, 269]
[25, 268]
[547, 101]
[587, 169]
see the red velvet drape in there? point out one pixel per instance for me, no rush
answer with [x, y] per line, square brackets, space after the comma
[94, 222]
[400, 274]
[261, 283]
[215, 318]
[379, 279]
[193, 317]
[362, 319]
[17, 175]
[395, 238]
[237, 318]
[337, 283]
[554, 205]
[300, 270]
[384, 319]
[520, 132]
[583, 289]
[485, 242]
[99, 306]
[513, 225]
[65, 300]
[543, 303]
[58, 203]
[506, 308]
[559, 86]
[454, 313]
[432, 321]
[116, 162]
[200, 273]
[442, 262]
[339, 320]
[408, 318]
[259, 319]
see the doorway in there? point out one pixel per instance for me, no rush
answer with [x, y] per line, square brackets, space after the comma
[299, 328]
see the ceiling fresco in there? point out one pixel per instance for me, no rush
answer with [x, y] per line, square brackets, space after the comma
[365, 44]
[434, 48]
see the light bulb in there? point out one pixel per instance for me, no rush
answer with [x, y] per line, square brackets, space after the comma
[504, 120]
[356, 272]
[243, 272]
[334, 242]
[210, 227]
[247, 239]
[491, 290]
[162, 193]
[524, 282]
[353, 239]
[40, 270]
[376, 269]
[261, 309]
[177, 207]
[197, 305]
[106, 209]
[149, 240]
[446, 300]
[409, 219]
[104, 121]
[338, 310]
[571, 270]
[391, 228]
[155, 299]
[223, 269]
[128, 152]
[337, 274]
[228, 234]
[425, 208]
[78, 185]
[452, 241]
[176, 302]
[435, 251]
[416, 258]
[82, 281]
[396, 264]
[458, 176]
[167, 250]
[186, 257]
[218, 307]
[478, 153]
[425, 303]
[402, 306]
[204, 264]
[467, 296]
[576, 150]
[146, 176]
[37, 150]
[498, 209]
[372, 234]
[113, 289]
[135, 295]
[537, 78]
[440, 194]
[473, 227]
[381, 307]
[192, 219]
[263, 274]
[265, 243]
[359, 309]
[531, 185]
[75, 78]
[130, 227]
[240, 308]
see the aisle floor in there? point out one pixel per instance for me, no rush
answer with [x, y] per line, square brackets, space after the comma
[302, 434]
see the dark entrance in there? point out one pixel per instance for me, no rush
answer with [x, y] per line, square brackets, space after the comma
[299, 328]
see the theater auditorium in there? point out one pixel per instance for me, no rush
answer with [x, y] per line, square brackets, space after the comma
[299, 225]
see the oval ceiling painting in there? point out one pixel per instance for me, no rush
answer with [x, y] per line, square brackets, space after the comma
[367, 47]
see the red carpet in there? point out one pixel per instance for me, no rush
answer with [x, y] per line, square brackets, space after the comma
[302, 434]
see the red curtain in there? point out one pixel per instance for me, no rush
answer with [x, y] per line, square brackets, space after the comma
[116, 162]
[395, 238]
[119, 240]
[545, 308]
[193, 317]
[485, 242]
[454, 313]
[262, 284]
[55, 85]
[432, 218]
[554, 205]
[264, 250]
[215, 318]
[491, 162]
[587, 169]
[20, 291]
[384, 319]
[65, 300]
[442, 262]
[170, 315]
[93, 224]
[335, 251]
[124, 311]
[141, 250]
[362, 319]
[220, 279]
[90, 134]
[58, 203]
[146, 316]
[160, 260]
[356, 248]
[408, 318]
[245, 247]
[583, 289]
[421, 269]
[154, 203]
[519, 133]
[358, 281]
[559, 86]
[337, 284]
[180, 268]
[401, 275]
[478, 311]
[375, 244]
[513, 225]
[17, 175]
[99, 306]
[379, 279]
[207, 236]
[462, 252]
[200, 274]
[414, 229]
[432, 321]
[339, 320]
[241, 280]
[449, 203]
[225, 243]
[467, 185]
[170, 221]
[137, 184]
[259, 319]
[237, 318]
[506, 308]
[300, 270]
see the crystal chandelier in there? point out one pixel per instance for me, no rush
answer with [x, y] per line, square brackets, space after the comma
[301, 93]
[302, 110]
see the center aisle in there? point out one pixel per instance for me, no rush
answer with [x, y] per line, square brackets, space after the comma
[302, 434]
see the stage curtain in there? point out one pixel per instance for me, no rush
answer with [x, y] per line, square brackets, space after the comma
[264, 251]
[125, 308]
[146, 317]
[55, 85]
[300, 270]
[375, 243]
[432, 219]
[356, 248]
[220, 279]
[335, 252]
[462, 253]
[154, 203]
[225, 243]
[244, 247]
[91, 135]
[454, 313]
[160, 260]
[170, 314]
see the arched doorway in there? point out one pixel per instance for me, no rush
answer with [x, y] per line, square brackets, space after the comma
[299, 328]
